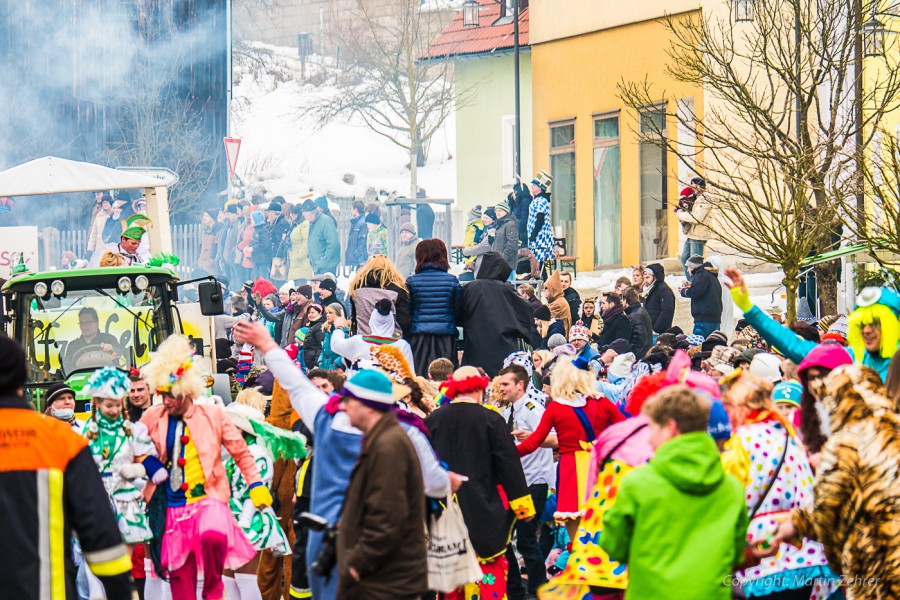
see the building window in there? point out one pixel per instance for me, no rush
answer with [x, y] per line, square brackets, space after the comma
[508, 150]
[654, 234]
[607, 192]
[562, 169]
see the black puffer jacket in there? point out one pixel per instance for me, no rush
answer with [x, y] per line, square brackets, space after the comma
[641, 330]
[706, 296]
[660, 301]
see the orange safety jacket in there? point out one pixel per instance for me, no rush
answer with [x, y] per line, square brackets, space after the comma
[50, 488]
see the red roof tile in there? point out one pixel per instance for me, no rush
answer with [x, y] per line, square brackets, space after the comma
[457, 40]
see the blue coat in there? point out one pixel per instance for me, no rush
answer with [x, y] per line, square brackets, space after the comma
[434, 296]
[356, 242]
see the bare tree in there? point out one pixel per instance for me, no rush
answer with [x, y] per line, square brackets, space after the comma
[779, 139]
[386, 85]
[157, 127]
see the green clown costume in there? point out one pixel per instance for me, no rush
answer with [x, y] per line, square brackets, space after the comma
[266, 443]
[118, 447]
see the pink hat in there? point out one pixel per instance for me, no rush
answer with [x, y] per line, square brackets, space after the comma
[579, 332]
[827, 356]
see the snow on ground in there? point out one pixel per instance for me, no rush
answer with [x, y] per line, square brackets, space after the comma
[286, 152]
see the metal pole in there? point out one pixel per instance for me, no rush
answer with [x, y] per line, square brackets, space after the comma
[858, 101]
[797, 56]
[229, 94]
[518, 150]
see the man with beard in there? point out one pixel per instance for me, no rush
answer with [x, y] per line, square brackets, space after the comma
[615, 322]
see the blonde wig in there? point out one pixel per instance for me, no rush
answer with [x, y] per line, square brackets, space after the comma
[568, 381]
[253, 398]
[172, 371]
[382, 270]
[112, 259]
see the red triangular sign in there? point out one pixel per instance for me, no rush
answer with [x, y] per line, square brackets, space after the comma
[232, 149]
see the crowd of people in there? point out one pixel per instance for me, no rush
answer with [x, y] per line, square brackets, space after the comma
[586, 447]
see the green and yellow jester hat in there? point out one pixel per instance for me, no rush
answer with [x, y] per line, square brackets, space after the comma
[875, 306]
[134, 233]
[138, 220]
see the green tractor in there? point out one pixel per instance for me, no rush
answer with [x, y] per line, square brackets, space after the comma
[73, 322]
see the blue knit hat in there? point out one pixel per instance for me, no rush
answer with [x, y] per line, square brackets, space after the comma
[257, 218]
[788, 392]
[322, 202]
[372, 388]
[719, 426]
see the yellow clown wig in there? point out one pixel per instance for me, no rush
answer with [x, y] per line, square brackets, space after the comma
[172, 371]
[568, 381]
[880, 315]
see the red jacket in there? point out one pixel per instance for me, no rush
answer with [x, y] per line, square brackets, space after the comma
[569, 431]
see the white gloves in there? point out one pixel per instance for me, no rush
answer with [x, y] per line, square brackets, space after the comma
[160, 476]
[132, 471]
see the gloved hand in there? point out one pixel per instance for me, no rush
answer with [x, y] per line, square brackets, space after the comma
[738, 287]
[154, 467]
[259, 495]
[132, 471]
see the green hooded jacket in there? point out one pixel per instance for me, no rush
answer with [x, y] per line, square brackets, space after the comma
[679, 523]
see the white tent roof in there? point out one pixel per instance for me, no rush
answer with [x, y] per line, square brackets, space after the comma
[52, 175]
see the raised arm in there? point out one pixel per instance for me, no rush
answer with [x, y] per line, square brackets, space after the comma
[305, 397]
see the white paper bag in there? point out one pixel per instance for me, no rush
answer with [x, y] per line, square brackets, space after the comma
[452, 562]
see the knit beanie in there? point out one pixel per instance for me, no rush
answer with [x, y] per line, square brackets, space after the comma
[408, 227]
[474, 213]
[328, 284]
[557, 339]
[373, 218]
[502, 205]
[579, 332]
[305, 291]
[372, 388]
[788, 392]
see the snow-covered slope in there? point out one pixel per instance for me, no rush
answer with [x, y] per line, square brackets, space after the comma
[286, 153]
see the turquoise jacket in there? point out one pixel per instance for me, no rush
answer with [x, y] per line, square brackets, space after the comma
[795, 348]
[679, 523]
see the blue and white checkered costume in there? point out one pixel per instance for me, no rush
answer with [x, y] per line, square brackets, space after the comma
[542, 247]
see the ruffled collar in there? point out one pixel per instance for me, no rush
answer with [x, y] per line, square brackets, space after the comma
[576, 402]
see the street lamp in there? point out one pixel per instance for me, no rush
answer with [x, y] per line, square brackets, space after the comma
[873, 37]
[743, 10]
[471, 16]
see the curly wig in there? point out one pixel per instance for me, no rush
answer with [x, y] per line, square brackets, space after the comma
[172, 371]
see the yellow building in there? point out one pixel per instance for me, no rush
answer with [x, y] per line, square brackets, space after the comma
[612, 193]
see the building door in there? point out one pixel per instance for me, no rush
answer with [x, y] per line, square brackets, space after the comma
[562, 169]
[654, 234]
[607, 192]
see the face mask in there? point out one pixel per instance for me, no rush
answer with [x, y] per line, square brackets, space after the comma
[64, 414]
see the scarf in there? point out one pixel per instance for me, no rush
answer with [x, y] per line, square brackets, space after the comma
[107, 436]
[613, 312]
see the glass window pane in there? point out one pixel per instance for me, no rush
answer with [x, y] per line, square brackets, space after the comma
[607, 207]
[654, 240]
[652, 121]
[562, 136]
[606, 128]
[562, 200]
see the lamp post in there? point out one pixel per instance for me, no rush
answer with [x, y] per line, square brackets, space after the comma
[874, 34]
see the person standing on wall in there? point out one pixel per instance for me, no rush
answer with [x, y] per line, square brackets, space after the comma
[693, 210]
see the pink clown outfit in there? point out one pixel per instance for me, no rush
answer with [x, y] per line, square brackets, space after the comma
[200, 530]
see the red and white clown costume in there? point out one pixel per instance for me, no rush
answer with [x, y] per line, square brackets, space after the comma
[200, 531]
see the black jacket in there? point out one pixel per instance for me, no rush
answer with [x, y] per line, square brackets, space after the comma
[279, 230]
[615, 326]
[574, 302]
[705, 293]
[641, 330]
[660, 302]
[496, 320]
[312, 344]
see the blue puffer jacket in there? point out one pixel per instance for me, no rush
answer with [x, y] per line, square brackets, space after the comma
[434, 296]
